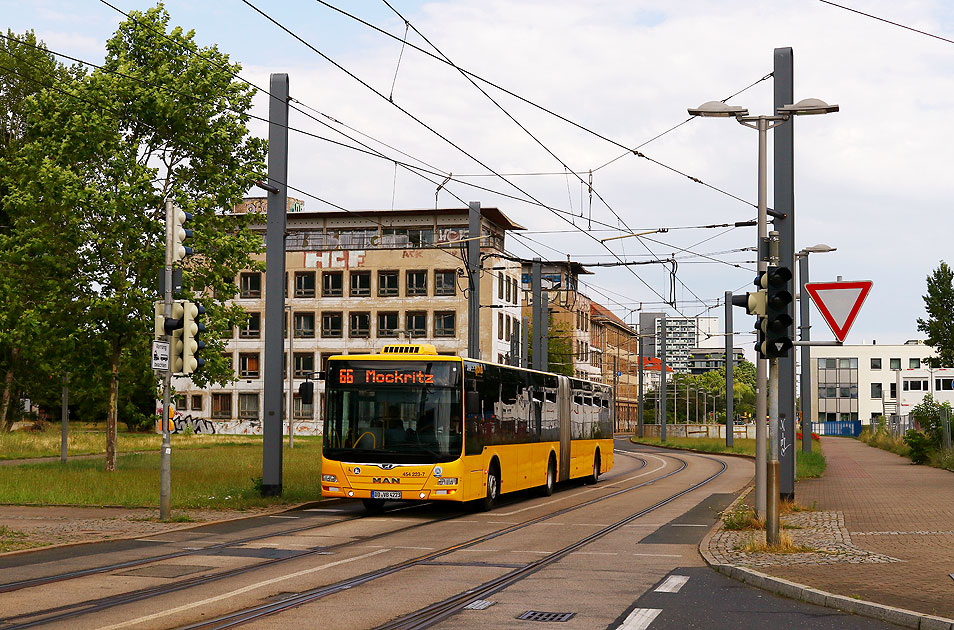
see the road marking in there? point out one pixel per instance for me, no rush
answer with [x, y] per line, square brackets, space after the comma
[597, 553]
[324, 510]
[250, 587]
[422, 548]
[639, 619]
[155, 540]
[688, 525]
[591, 489]
[672, 584]
[273, 516]
[659, 555]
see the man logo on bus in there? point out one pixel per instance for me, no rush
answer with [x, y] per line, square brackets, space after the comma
[385, 480]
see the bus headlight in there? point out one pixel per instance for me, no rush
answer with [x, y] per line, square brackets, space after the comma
[447, 481]
[329, 478]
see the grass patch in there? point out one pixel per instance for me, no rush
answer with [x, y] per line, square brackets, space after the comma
[943, 459]
[757, 544]
[879, 437]
[86, 441]
[206, 473]
[807, 465]
[739, 517]
[13, 540]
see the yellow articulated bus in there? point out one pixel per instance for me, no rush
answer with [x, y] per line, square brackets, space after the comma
[409, 424]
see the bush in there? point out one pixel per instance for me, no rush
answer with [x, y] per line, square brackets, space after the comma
[920, 444]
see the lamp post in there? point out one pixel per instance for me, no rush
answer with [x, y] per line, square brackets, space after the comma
[804, 329]
[766, 496]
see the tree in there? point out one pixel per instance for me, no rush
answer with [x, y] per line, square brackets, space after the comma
[163, 118]
[939, 325]
[30, 275]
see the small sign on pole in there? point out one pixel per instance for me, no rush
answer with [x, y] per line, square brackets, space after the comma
[160, 355]
[839, 302]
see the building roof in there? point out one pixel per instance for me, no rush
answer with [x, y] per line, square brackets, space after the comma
[600, 311]
[494, 215]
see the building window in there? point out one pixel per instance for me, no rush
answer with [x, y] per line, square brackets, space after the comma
[445, 324]
[516, 295]
[331, 324]
[360, 283]
[252, 328]
[305, 325]
[876, 390]
[416, 324]
[507, 327]
[416, 283]
[248, 365]
[509, 297]
[915, 385]
[222, 405]
[500, 326]
[876, 364]
[500, 285]
[387, 324]
[301, 410]
[250, 285]
[304, 284]
[445, 282]
[304, 364]
[360, 325]
[944, 384]
[914, 364]
[332, 283]
[387, 283]
[248, 406]
[895, 364]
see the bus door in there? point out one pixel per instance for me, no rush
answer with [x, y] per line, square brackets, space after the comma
[563, 401]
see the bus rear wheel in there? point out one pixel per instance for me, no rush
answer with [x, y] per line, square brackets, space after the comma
[595, 477]
[373, 505]
[548, 486]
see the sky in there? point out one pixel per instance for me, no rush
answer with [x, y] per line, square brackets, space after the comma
[873, 180]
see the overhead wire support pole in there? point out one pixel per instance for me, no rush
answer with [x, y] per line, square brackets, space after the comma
[662, 376]
[729, 367]
[165, 451]
[275, 286]
[473, 273]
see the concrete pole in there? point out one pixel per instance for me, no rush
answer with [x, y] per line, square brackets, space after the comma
[662, 376]
[536, 296]
[275, 284]
[639, 386]
[729, 367]
[473, 271]
[291, 376]
[760, 364]
[772, 511]
[545, 330]
[525, 342]
[806, 377]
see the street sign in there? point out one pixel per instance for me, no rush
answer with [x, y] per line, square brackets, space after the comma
[839, 302]
[160, 355]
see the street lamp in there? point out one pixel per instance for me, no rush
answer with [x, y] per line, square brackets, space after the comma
[803, 327]
[762, 124]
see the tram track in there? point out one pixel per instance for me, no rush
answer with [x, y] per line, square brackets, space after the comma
[441, 610]
[78, 609]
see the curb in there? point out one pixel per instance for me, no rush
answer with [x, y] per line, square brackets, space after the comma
[793, 590]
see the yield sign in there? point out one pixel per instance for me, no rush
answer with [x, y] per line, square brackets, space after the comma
[839, 303]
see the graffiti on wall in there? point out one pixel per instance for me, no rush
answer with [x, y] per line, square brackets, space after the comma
[189, 422]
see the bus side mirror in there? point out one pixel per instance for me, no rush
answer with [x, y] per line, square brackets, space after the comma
[471, 403]
[306, 391]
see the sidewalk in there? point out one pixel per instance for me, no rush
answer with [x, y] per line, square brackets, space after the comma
[883, 530]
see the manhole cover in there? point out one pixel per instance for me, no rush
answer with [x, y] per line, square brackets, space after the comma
[537, 615]
[166, 570]
[479, 604]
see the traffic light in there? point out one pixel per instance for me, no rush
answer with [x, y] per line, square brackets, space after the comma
[777, 324]
[306, 391]
[191, 344]
[180, 234]
[172, 326]
[755, 303]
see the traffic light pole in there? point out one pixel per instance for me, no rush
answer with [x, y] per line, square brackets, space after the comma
[760, 363]
[774, 467]
[165, 452]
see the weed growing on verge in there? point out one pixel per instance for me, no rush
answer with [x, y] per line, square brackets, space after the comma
[741, 516]
[785, 544]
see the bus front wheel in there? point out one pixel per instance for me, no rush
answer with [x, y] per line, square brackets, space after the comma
[493, 489]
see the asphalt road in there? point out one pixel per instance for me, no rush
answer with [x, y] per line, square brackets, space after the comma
[595, 556]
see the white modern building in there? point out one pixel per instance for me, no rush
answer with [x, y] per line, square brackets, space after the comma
[683, 334]
[862, 382]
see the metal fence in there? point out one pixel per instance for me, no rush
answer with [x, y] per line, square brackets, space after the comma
[898, 425]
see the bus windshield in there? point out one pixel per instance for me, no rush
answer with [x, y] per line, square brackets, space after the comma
[393, 411]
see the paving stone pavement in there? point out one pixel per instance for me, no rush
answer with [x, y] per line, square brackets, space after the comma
[884, 531]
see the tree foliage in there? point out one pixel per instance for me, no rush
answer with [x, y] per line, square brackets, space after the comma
[163, 118]
[939, 324]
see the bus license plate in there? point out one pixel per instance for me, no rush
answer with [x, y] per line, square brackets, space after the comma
[385, 494]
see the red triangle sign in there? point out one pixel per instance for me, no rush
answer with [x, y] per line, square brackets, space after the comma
[839, 303]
